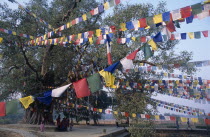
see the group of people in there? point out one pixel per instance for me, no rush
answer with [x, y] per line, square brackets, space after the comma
[64, 125]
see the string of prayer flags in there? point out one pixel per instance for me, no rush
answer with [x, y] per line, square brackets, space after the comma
[59, 91]
[15, 33]
[11, 107]
[81, 88]
[2, 109]
[26, 101]
[94, 82]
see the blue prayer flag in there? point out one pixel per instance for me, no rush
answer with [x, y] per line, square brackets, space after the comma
[166, 16]
[189, 19]
[129, 25]
[158, 37]
[112, 68]
[183, 35]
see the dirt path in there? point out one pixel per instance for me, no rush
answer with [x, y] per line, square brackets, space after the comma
[9, 132]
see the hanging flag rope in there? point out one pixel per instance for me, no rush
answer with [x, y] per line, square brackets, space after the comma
[32, 14]
[16, 34]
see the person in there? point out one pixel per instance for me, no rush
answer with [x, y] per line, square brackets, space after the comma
[42, 125]
[117, 124]
[177, 124]
[188, 124]
[68, 125]
[63, 126]
[58, 120]
[71, 125]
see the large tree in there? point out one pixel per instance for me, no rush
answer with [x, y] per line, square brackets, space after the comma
[30, 70]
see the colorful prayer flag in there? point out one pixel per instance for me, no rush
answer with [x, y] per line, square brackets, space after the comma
[94, 82]
[81, 88]
[2, 109]
[26, 101]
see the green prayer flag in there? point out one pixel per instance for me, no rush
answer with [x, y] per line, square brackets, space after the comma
[94, 82]
[177, 23]
[111, 3]
[150, 21]
[94, 40]
[11, 107]
[196, 8]
[88, 15]
[147, 51]
[197, 35]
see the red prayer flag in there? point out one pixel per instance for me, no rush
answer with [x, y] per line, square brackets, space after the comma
[73, 22]
[126, 114]
[119, 40]
[205, 33]
[172, 118]
[170, 26]
[172, 37]
[95, 109]
[90, 34]
[92, 12]
[132, 55]
[147, 116]
[117, 2]
[186, 12]
[113, 28]
[207, 121]
[2, 109]
[81, 88]
[143, 23]
[143, 39]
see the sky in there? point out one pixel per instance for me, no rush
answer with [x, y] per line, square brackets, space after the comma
[199, 47]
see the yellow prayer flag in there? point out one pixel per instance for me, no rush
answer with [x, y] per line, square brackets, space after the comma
[14, 33]
[133, 38]
[68, 25]
[106, 5]
[123, 26]
[207, 1]
[170, 91]
[183, 119]
[26, 101]
[84, 17]
[90, 40]
[1, 39]
[191, 35]
[79, 35]
[98, 32]
[158, 18]
[148, 27]
[152, 44]
[157, 117]
[194, 120]
[31, 37]
[115, 112]
[108, 78]
[100, 110]
[133, 115]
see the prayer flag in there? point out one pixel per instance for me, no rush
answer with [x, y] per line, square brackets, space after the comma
[191, 35]
[58, 91]
[196, 8]
[183, 35]
[94, 82]
[108, 46]
[176, 14]
[136, 24]
[189, 19]
[11, 107]
[158, 38]
[194, 120]
[205, 33]
[158, 18]
[96, 11]
[81, 88]
[123, 26]
[147, 51]
[143, 39]
[166, 16]
[183, 119]
[101, 8]
[143, 23]
[112, 68]
[143, 116]
[1, 40]
[152, 44]
[167, 117]
[127, 62]
[186, 12]
[132, 55]
[117, 2]
[2, 109]
[150, 21]
[98, 32]
[26, 101]
[134, 115]
[157, 117]
[106, 5]
[203, 15]
[172, 118]
[111, 3]
[84, 17]
[129, 25]
[170, 26]
[46, 99]
[197, 35]
[108, 78]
